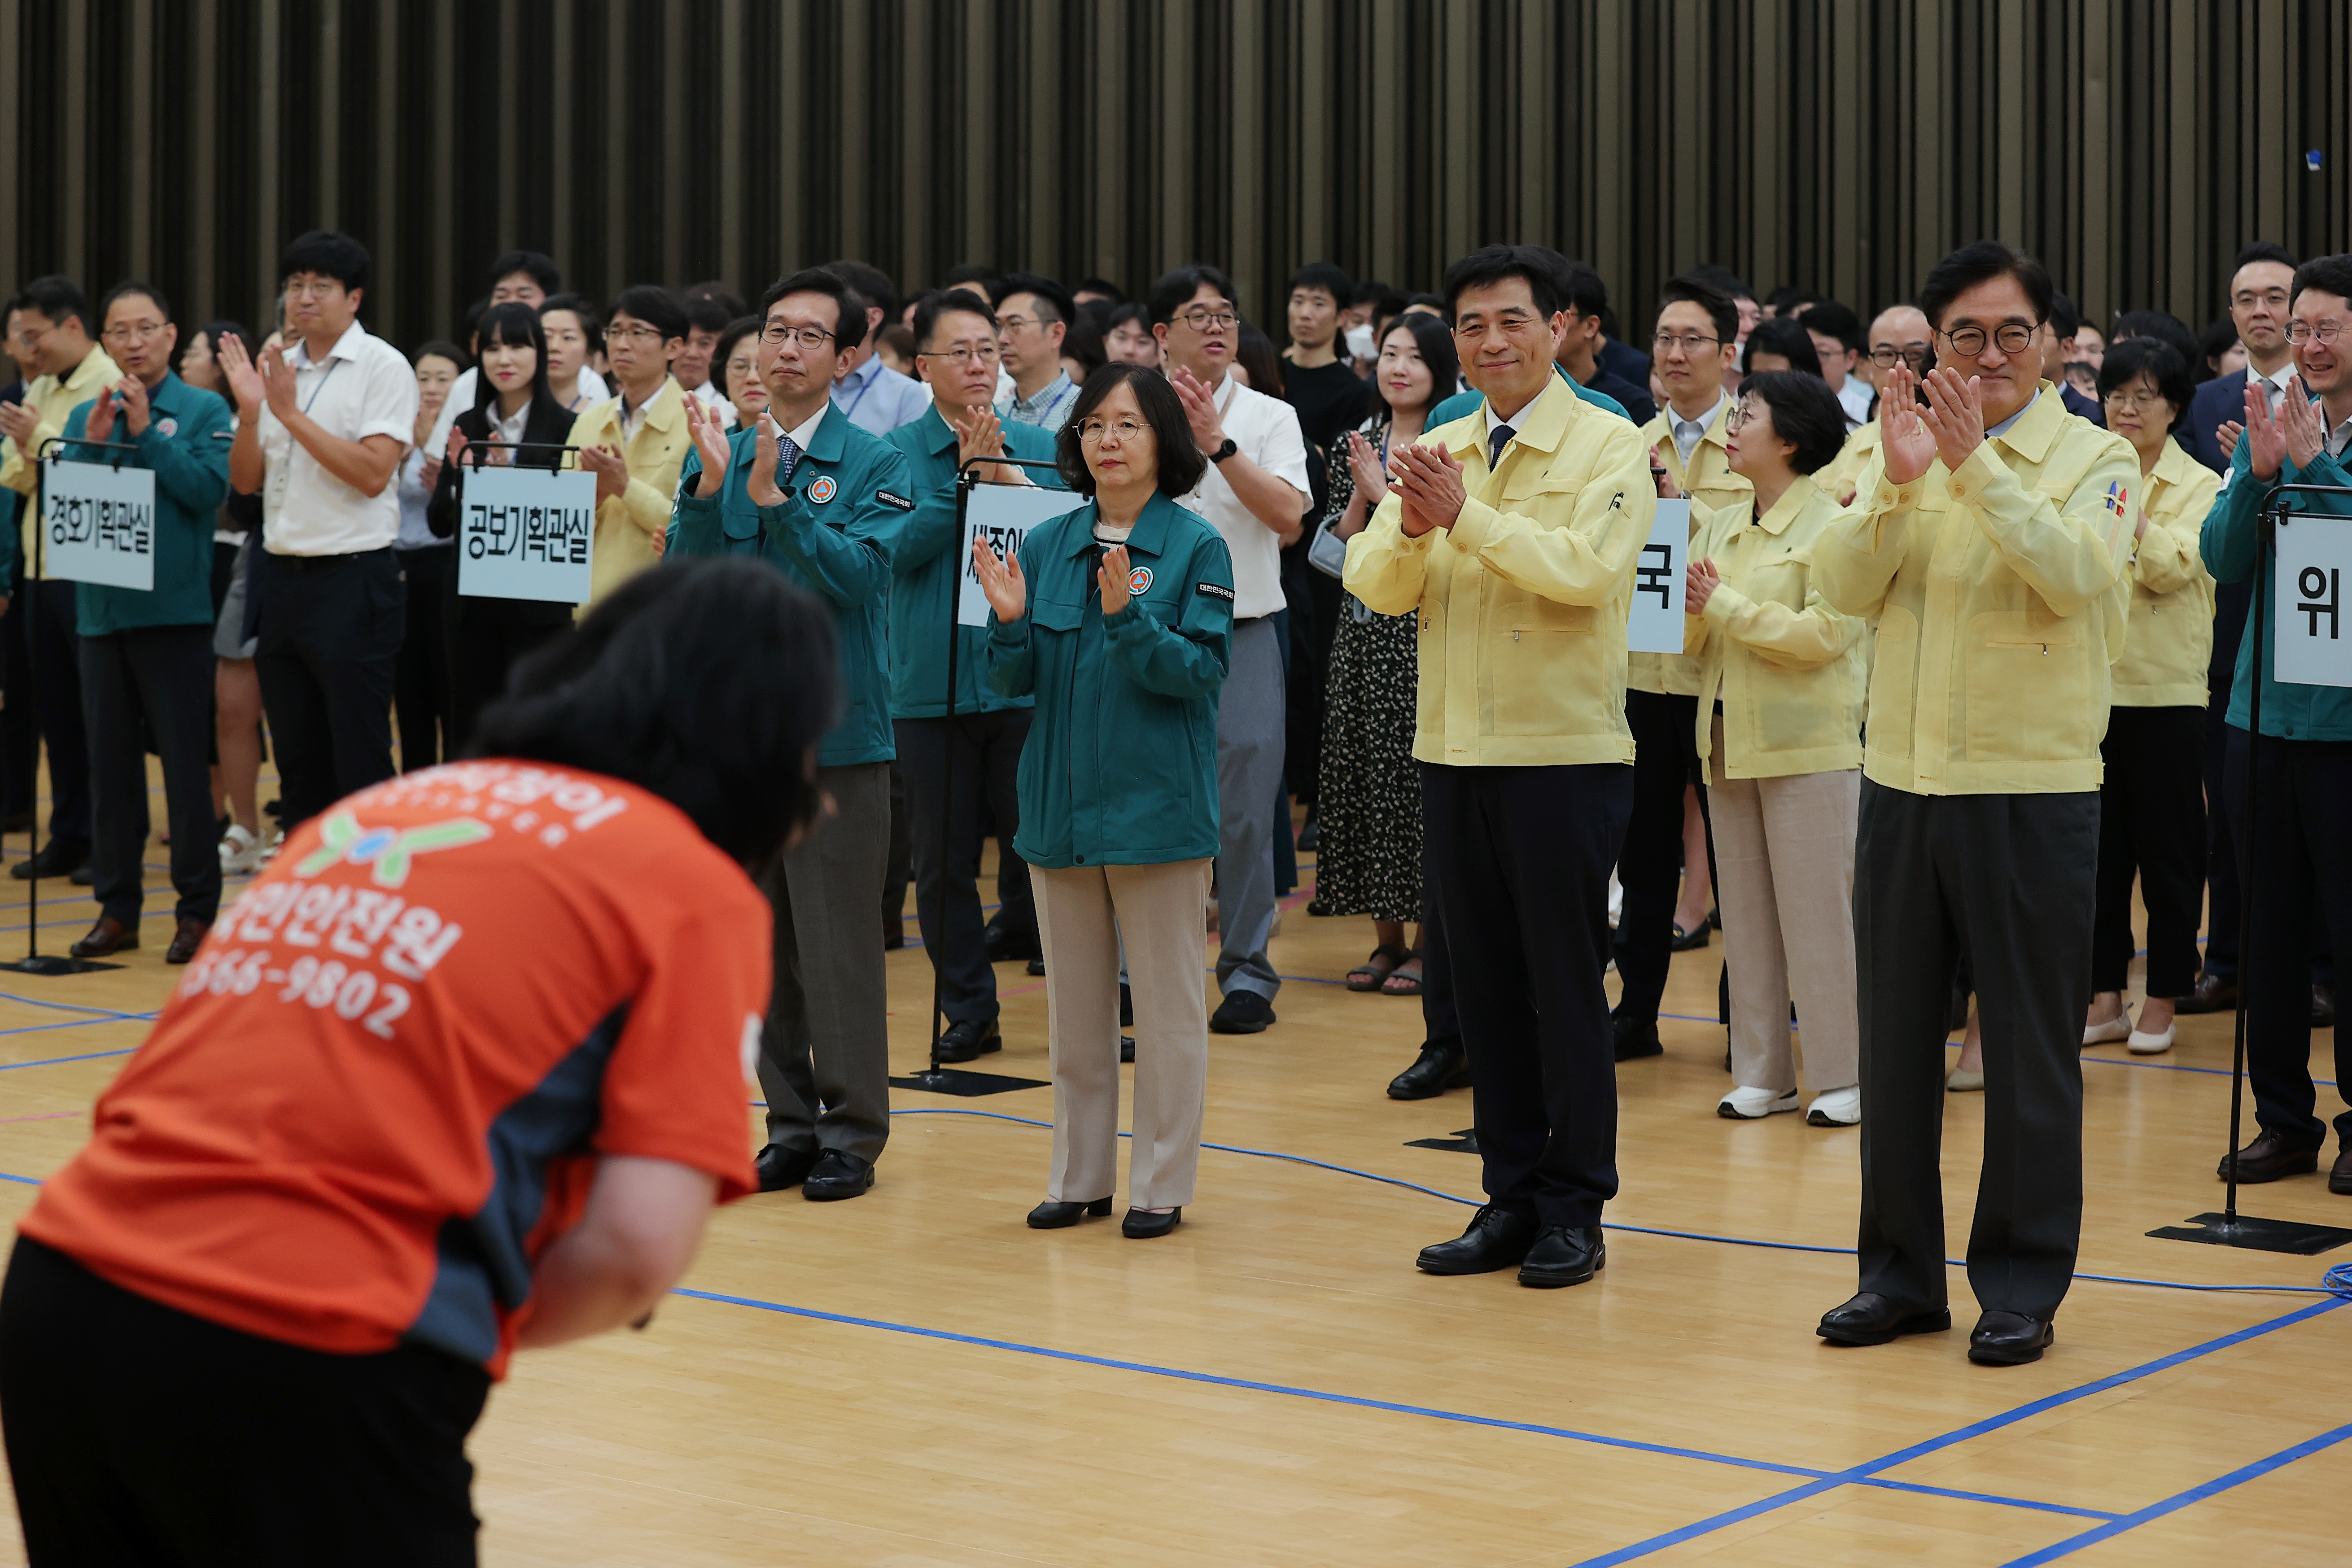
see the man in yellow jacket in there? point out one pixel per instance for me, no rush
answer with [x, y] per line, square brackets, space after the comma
[634, 442]
[1513, 533]
[1990, 542]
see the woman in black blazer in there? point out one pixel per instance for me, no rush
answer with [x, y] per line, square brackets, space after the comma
[514, 403]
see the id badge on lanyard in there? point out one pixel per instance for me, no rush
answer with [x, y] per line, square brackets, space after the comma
[282, 474]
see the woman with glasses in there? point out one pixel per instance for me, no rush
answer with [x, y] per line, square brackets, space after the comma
[1779, 735]
[2152, 795]
[1118, 619]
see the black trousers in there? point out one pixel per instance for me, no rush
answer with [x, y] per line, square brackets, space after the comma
[151, 683]
[1523, 856]
[56, 675]
[329, 628]
[1441, 1018]
[486, 637]
[2005, 880]
[2151, 824]
[421, 688]
[244, 1452]
[943, 816]
[1665, 751]
[2299, 849]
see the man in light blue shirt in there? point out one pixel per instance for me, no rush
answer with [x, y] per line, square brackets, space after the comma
[869, 393]
[1031, 324]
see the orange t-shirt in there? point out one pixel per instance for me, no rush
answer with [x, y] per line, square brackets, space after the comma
[379, 1091]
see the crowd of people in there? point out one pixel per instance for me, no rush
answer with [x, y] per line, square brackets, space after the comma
[1964, 662]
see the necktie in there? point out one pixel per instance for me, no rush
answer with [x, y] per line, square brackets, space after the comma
[1495, 445]
[787, 457]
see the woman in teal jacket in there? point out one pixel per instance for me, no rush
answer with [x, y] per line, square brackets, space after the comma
[1117, 619]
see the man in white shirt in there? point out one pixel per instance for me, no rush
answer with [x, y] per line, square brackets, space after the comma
[1255, 493]
[321, 432]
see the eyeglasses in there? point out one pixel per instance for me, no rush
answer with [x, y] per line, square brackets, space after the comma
[1018, 323]
[135, 332]
[1200, 320]
[2010, 337]
[1093, 430]
[987, 353]
[640, 334]
[777, 332]
[1667, 343]
[311, 289]
[1913, 354]
[2135, 401]
[1743, 413]
[1512, 324]
[30, 338]
[2327, 332]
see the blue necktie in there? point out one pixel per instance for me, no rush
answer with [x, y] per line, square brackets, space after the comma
[787, 457]
[1495, 445]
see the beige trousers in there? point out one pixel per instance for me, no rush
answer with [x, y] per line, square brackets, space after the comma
[1784, 880]
[1161, 911]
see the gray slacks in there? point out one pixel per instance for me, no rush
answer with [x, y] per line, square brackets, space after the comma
[1249, 782]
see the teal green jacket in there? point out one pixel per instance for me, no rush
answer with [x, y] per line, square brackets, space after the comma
[930, 563]
[1462, 402]
[1120, 767]
[181, 446]
[2293, 711]
[843, 505]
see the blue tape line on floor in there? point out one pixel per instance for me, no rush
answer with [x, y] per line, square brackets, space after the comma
[85, 1056]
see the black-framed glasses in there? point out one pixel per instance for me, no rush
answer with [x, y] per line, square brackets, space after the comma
[987, 353]
[637, 333]
[1913, 354]
[2010, 337]
[2300, 332]
[1203, 320]
[775, 333]
[1690, 343]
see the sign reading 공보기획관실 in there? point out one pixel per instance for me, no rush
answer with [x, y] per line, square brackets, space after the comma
[525, 533]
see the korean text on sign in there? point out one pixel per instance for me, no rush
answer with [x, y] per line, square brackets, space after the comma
[1655, 622]
[1002, 515]
[98, 523]
[525, 533]
[2310, 642]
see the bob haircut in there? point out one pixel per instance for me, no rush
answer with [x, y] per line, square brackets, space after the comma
[1785, 336]
[1182, 463]
[707, 682]
[514, 324]
[1805, 413]
[2160, 360]
[1434, 343]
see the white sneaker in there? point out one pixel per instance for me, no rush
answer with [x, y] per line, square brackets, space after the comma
[1960, 1080]
[1836, 1108]
[1755, 1104]
[240, 851]
[2118, 1027]
[1616, 900]
[2141, 1045]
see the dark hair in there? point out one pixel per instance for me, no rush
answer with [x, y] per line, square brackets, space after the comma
[940, 302]
[1791, 300]
[214, 332]
[2161, 360]
[2328, 274]
[978, 272]
[1805, 413]
[55, 297]
[714, 289]
[707, 682]
[1583, 290]
[738, 329]
[512, 322]
[870, 283]
[2266, 251]
[1723, 281]
[1083, 343]
[1436, 302]
[1134, 310]
[2159, 324]
[474, 309]
[1326, 276]
[1369, 293]
[1258, 358]
[1833, 319]
[1175, 289]
[1182, 463]
[656, 306]
[1056, 298]
[580, 307]
[129, 286]
[2220, 336]
[1435, 344]
[439, 346]
[1781, 335]
[2065, 319]
[1103, 286]
[1982, 262]
[539, 266]
[1690, 288]
[847, 304]
[1493, 264]
[327, 254]
[708, 314]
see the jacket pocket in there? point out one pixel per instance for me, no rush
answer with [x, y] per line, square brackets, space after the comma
[1536, 687]
[1893, 682]
[1056, 617]
[2026, 681]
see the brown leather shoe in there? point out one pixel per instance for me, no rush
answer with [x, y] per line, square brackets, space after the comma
[2268, 1158]
[2211, 994]
[186, 940]
[109, 935]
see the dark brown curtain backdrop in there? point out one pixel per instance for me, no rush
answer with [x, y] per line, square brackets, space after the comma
[1838, 144]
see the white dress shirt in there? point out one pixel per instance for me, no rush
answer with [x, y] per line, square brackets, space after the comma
[1689, 433]
[1855, 398]
[2273, 386]
[1265, 430]
[363, 388]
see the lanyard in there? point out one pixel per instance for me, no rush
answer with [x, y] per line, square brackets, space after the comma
[332, 366]
[863, 389]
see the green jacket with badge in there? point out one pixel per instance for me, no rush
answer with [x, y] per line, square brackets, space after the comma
[181, 447]
[929, 561]
[1120, 767]
[844, 503]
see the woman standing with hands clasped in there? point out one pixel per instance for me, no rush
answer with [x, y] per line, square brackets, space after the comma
[1117, 618]
[1781, 686]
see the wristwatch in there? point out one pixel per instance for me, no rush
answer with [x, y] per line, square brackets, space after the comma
[1227, 450]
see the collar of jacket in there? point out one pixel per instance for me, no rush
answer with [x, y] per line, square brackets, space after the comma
[163, 397]
[1151, 535]
[1793, 499]
[1547, 421]
[2037, 428]
[825, 445]
[938, 434]
[665, 412]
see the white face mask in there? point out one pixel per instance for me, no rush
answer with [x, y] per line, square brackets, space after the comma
[1360, 340]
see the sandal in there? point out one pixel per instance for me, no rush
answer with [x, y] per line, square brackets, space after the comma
[1399, 983]
[1374, 970]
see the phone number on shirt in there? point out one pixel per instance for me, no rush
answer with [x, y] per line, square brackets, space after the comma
[347, 921]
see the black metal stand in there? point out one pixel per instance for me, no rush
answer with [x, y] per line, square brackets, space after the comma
[2229, 1227]
[35, 961]
[936, 1079]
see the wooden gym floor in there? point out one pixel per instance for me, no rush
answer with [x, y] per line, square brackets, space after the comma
[914, 1378]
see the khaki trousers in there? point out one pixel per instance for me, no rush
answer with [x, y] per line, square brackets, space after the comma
[1161, 911]
[1784, 880]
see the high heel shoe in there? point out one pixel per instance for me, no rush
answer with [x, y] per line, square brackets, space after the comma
[1140, 1225]
[1050, 1216]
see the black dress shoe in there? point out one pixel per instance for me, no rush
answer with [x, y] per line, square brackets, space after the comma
[2009, 1339]
[82, 876]
[1050, 1216]
[2268, 1158]
[1142, 1226]
[781, 1167]
[58, 857]
[188, 936]
[2323, 1008]
[1037, 966]
[1127, 1047]
[1496, 1239]
[2211, 994]
[1690, 941]
[2340, 1174]
[1635, 1039]
[1564, 1255]
[1439, 1067]
[1004, 945]
[1241, 1013]
[836, 1174]
[109, 935]
[1871, 1319]
[970, 1040]
[1127, 1006]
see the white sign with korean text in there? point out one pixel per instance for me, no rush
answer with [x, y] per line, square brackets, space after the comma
[2312, 634]
[1655, 625]
[1002, 515]
[100, 524]
[525, 533]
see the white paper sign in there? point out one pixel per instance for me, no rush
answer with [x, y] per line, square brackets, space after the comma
[1002, 515]
[1655, 625]
[525, 533]
[2312, 636]
[101, 524]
